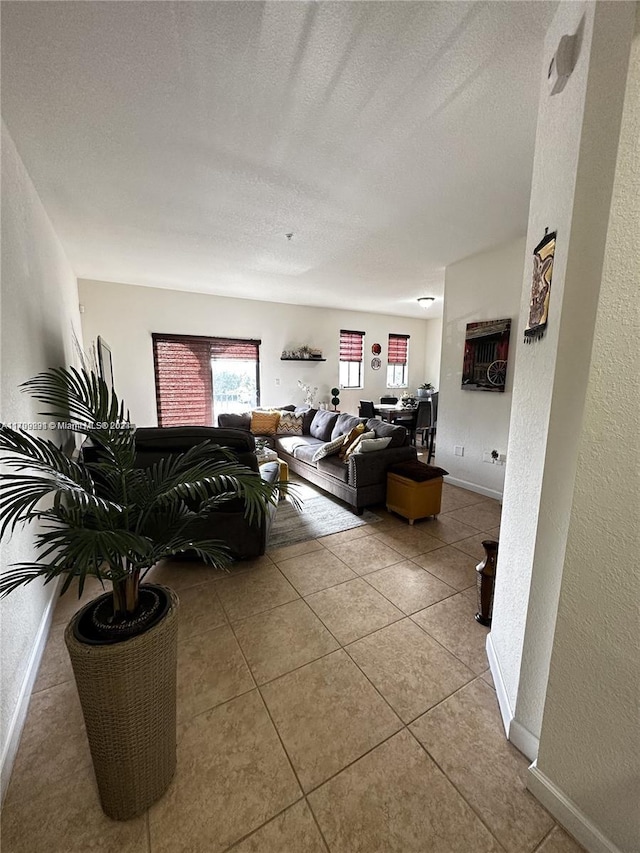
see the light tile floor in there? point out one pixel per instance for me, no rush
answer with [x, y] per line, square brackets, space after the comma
[333, 696]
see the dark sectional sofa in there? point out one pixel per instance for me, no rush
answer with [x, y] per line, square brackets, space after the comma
[361, 480]
[245, 540]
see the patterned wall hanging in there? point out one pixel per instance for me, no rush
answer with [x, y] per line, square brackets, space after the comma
[540, 287]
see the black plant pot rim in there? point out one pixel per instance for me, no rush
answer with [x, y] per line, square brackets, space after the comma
[82, 621]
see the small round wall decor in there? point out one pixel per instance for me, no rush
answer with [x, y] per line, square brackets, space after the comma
[376, 364]
[376, 349]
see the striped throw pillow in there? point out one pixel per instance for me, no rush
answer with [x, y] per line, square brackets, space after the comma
[290, 423]
[328, 449]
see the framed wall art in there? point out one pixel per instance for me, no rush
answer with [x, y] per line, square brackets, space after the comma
[486, 349]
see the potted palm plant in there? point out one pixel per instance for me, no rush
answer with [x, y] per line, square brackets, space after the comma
[99, 515]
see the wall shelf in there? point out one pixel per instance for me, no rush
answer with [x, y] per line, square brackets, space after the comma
[307, 360]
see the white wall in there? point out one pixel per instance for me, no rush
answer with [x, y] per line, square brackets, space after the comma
[433, 350]
[39, 311]
[485, 286]
[126, 315]
[574, 165]
[590, 740]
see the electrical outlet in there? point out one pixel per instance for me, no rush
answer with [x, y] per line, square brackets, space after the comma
[502, 459]
[486, 457]
[458, 450]
[277, 381]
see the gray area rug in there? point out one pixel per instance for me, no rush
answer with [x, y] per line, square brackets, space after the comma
[319, 515]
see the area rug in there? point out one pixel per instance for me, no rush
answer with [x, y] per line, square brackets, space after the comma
[319, 515]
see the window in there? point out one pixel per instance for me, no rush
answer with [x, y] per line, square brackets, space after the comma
[351, 356]
[199, 377]
[397, 362]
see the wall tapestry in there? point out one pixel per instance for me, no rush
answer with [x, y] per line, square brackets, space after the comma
[540, 288]
[486, 348]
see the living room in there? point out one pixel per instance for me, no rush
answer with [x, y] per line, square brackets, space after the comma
[561, 652]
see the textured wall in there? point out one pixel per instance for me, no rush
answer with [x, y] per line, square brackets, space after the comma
[39, 309]
[126, 316]
[433, 350]
[485, 286]
[574, 164]
[590, 744]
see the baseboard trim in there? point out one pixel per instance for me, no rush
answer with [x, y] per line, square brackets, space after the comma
[474, 487]
[501, 690]
[519, 736]
[567, 813]
[14, 733]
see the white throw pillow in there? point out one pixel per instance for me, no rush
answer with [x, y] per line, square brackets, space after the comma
[328, 449]
[369, 445]
[356, 444]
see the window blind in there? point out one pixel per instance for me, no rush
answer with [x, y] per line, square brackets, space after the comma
[184, 393]
[398, 349]
[184, 389]
[234, 349]
[351, 345]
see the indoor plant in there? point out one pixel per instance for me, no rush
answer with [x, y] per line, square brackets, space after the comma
[99, 515]
[425, 389]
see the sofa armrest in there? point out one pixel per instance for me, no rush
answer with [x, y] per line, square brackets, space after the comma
[369, 469]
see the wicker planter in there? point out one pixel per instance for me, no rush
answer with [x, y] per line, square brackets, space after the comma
[128, 696]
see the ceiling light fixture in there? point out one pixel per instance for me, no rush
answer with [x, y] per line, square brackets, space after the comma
[425, 301]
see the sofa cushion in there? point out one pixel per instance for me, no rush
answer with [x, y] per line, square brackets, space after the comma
[308, 415]
[334, 466]
[306, 452]
[382, 430]
[329, 448]
[290, 443]
[264, 423]
[290, 423]
[344, 424]
[233, 421]
[322, 424]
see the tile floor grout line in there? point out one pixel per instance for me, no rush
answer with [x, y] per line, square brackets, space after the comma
[538, 846]
[266, 707]
[460, 794]
[238, 841]
[440, 643]
[379, 591]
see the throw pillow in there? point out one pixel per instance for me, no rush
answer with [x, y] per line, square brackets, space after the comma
[349, 438]
[264, 423]
[354, 446]
[369, 445]
[330, 448]
[290, 423]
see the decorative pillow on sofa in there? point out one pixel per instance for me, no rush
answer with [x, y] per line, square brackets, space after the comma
[229, 420]
[370, 445]
[349, 438]
[330, 448]
[382, 429]
[290, 423]
[359, 439]
[322, 424]
[308, 415]
[264, 423]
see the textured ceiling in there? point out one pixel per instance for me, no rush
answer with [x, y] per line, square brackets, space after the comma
[175, 144]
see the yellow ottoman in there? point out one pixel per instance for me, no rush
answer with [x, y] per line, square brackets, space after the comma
[414, 490]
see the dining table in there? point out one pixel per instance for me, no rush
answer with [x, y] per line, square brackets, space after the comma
[391, 411]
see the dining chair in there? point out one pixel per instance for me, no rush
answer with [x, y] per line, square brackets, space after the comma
[366, 409]
[391, 401]
[424, 419]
